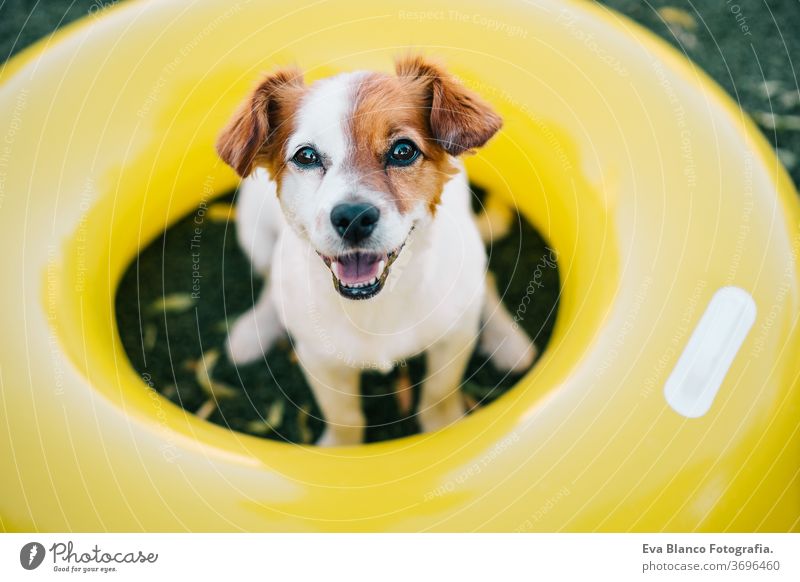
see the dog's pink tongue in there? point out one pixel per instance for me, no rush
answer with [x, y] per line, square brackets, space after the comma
[358, 268]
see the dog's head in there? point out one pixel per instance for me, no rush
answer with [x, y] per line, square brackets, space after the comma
[359, 159]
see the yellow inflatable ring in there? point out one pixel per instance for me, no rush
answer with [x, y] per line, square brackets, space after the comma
[664, 204]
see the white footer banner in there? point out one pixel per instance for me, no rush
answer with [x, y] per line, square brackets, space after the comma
[401, 557]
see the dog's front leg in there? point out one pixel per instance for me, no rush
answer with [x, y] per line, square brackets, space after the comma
[255, 331]
[337, 391]
[441, 402]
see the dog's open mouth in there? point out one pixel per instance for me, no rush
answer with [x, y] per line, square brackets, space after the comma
[360, 274]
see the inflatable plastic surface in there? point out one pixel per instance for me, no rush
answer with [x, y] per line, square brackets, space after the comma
[667, 399]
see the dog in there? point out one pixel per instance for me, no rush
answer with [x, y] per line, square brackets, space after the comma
[355, 206]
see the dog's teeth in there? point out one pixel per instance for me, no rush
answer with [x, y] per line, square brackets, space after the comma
[335, 269]
[381, 267]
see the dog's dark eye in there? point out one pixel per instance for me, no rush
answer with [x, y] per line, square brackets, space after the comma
[306, 156]
[402, 153]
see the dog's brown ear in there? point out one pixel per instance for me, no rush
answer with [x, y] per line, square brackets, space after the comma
[460, 120]
[250, 133]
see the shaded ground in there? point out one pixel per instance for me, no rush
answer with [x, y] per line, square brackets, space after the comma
[748, 46]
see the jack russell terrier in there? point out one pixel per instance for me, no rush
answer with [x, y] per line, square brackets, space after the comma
[382, 258]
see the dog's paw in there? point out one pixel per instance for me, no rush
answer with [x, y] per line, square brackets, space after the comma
[346, 436]
[509, 351]
[516, 356]
[328, 439]
[441, 414]
[250, 338]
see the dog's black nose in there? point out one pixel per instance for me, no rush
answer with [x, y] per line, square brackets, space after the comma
[354, 222]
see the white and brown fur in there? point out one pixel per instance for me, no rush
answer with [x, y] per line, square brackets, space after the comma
[435, 296]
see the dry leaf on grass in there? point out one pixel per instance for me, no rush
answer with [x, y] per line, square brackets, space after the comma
[275, 414]
[777, 122]
[681, 24]
[204, 369]
[258, 427]
[787, 158]
[207, 409]
[174, 303]
[678, 16]
[149, 336]
[403, 392]
[302, 424]
[790, 99]
[768, 89]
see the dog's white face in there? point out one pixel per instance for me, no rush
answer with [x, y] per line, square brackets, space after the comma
[359, 159]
